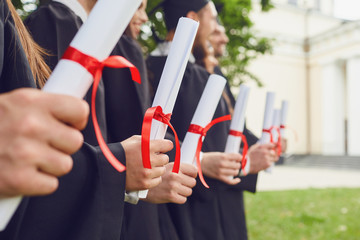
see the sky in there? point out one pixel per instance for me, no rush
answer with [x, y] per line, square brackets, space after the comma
[347, 9]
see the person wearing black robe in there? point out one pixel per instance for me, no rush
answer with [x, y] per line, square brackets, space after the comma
[218, 41]
[53, 26]
[203, 208]
[202, 217]
[88, 202]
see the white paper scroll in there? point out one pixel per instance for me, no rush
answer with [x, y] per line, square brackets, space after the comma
[268, 117]
[172, 75]
[8, 207]
[97, 37]
[268, 120]
[276, 123]
[238, 120]
[202, 116]
[275, 134]
[284, 112]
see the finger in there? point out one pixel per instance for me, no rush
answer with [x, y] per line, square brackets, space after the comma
[53, 162]
[276, 158]
[230, 181]
[230, 165]
[179, 199]
[187, 180]
[155, 172]
[159, 160]
[154, 182]
[188, 169]
[65, 138]
[229, 172]
[68, 109]
[37, 155]
[236, 157]
[161, 146]
[273, 155]
[38, 183]
[184, 191]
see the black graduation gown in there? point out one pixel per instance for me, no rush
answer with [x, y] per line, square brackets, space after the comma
[203, 216]
[233, 213]
[88, 202]
[121, 121]
[125, 120]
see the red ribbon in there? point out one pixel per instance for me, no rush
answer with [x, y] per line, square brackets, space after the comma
[245, 150]
[202, 131]
[95, 67]
[292, 129]
[272, 138]
[150, 114]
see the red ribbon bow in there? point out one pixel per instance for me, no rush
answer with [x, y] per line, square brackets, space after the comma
[245, 150]
[150, 114]
[272, 138]
[202, 131]
[95, 67]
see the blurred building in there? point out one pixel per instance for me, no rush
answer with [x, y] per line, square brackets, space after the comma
[316, 66]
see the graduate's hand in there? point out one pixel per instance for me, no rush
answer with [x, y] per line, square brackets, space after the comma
[38, 133]
[138, 177]
[222, 166]
[175, 187]
[261, 157]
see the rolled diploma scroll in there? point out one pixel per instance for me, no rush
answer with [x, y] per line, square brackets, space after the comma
[275, 134]
[203, 115]
[284, 112]
[238, 121]
[172, 76]
[276, 123]
[96, 37]
[268, 118]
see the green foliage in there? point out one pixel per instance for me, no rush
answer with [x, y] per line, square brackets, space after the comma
[25, 7]
[244, 45]
[321, 214]
[157, 23]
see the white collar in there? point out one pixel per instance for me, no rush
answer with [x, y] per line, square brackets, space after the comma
[76, 7]
[163, 49]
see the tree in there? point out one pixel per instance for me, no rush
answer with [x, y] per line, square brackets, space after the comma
[243, 47]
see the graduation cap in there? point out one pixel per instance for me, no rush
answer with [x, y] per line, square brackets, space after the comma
[174, 9]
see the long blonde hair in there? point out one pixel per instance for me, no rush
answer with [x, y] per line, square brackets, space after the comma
[34, 53]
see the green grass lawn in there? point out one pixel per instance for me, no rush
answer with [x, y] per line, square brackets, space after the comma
[326, 214]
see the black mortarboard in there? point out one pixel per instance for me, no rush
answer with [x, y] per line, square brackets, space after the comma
[174, 9]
